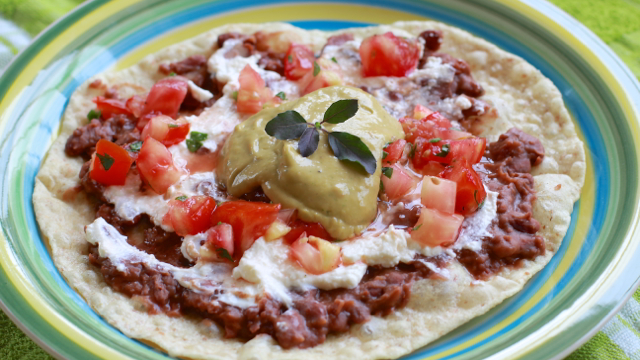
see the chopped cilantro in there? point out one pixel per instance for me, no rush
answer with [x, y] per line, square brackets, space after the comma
[94, 114]
[173, 126]
[181, 198]
[384, 154]
[135, 146]
[223, 253]
[417, 227]
[316, 69]
[434, 140]
[387, 171]
[281, 95]
[106, 160]
[444, 152]
[234, 95]
[172, 74]
[194, 142]
[334, 60]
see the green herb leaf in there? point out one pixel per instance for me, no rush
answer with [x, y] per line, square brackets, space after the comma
[234, 95]
[223, 253]
[349, 147]
[286, 125]
[381, 186]
[384, 154]
[480, 205]
[341, 111]
[434, 140]
[412, 153]
[281, 95]
[219, 223]
[334, 60]
[135, 146]
[387, 171]
[194, 142]
[181, 198]
[417, 227]
[316, 69]
[94, 114]
[172, 74]
[290, 59]
[444, 152]
[106, 160]
[308, 142]
[173, 126]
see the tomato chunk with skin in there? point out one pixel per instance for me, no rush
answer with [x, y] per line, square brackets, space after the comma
[110, 163]
[166, 96]
[393, 152]
[156, 167]
[166, 130]
[252, 94]
[219, 237]
[388, 55]
[298, 61]
[327, 76]
[110, 107]
[191, 215]
[435, 228]
[470, 192]
[420, 112]
[399, 184]
[431, 168]
[250, 220]
[135, 104]
[316, 256]
[298, 227]
[438, 194]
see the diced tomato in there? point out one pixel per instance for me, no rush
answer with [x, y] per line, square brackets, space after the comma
[446, 151]
[166, 130]
[166, 96]
[471, 149]
[470, 192]
[327, 76]
[219, 238]
[110, 163]
[438, 120]
[250, 220]
[298, 61]
[252, 94]
[276, 42]
[110, 107]
[191, 215]
[420, 112]
[135, 104]
[435, 228]
[393, 151]
[388, 55]
[399, 183]
[439, 194]
[431, 168]
[156, 167]
[316, 256]
[298, 227]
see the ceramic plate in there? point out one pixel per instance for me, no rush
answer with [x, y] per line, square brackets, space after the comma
[594, 272]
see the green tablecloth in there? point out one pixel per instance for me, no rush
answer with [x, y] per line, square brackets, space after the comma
[617, 22]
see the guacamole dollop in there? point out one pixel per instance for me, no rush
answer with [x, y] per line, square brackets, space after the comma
[338, 194]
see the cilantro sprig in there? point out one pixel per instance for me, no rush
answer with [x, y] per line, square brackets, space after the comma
[194, 142]
[291, 125]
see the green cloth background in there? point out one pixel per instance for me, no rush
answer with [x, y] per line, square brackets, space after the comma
[617, 22]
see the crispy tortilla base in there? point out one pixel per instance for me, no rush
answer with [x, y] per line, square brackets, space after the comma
[523, 97]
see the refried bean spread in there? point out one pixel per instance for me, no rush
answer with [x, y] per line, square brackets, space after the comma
[159, 260]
